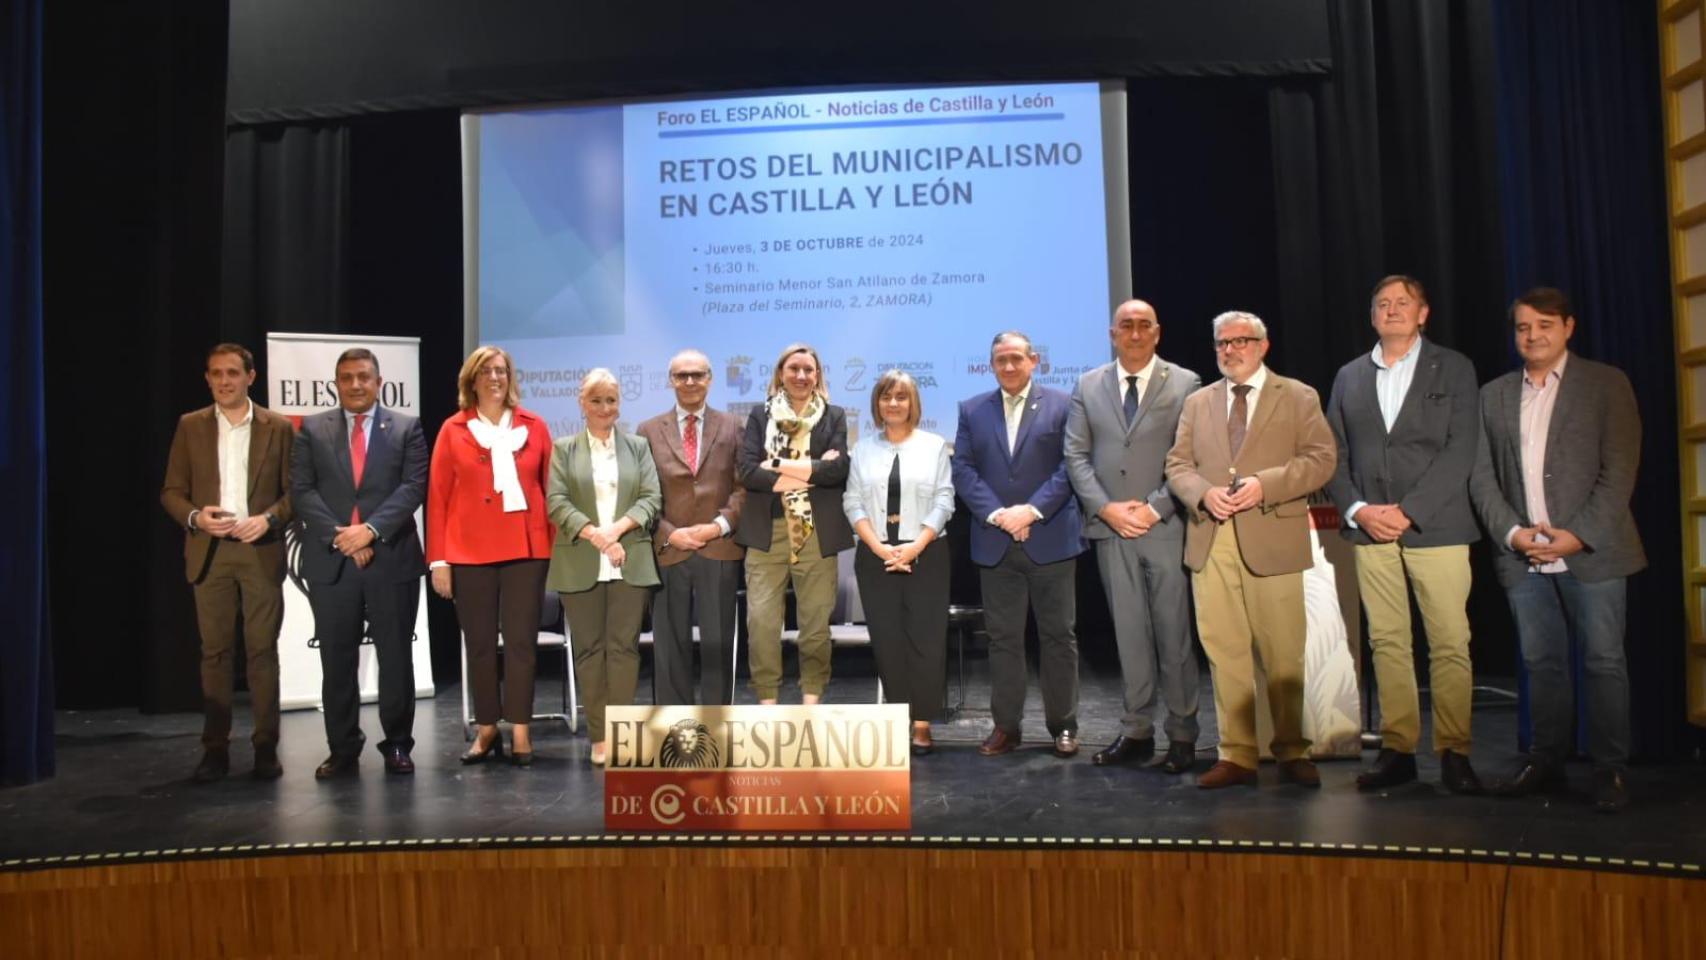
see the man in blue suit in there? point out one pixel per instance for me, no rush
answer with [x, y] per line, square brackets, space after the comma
[359, 473]
[1010, 469]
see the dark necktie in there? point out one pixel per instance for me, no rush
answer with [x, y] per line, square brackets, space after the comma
[1237, 423]
[1130, 399]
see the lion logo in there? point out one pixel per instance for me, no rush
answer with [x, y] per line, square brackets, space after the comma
[689, 745]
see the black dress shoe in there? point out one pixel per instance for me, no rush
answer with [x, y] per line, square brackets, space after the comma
[1390, 769]
[397, 759]
[1534, 776]
[1066, 744]
[1124, 750]
[336, 766]
[1180, 758]
[493, 751]
[214, 765]
[1457, 775]
[267, 766]
[1610, 790]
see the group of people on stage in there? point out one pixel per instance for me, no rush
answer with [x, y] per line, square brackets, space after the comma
[1188, 494]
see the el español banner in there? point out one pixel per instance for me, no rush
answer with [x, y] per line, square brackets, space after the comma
[823, 767]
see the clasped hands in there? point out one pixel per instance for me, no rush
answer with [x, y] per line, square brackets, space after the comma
[1129, 518]
[607, 540]
[356, 542]
[215, 521]
[694, 537]
[1015, 521]
[898, 557]
[1223, 503]
[1384, 522]
[1544, 543]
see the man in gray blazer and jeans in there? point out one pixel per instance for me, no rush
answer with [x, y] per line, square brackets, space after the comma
[1560, 442]
[1407, 420]
[1121, 425]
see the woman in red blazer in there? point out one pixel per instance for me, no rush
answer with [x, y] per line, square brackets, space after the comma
[489, 542]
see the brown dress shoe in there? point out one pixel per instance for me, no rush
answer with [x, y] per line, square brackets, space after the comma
[998, 742]
[1225, 773]
[1301, 772]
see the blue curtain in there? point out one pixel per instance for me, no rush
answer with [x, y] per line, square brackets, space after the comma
[26, 662]
[1582, 195]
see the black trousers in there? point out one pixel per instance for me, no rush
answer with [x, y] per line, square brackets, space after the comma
[1010, 588]
[704, 586]
[907, 614]
[510, 597]
[361, 602]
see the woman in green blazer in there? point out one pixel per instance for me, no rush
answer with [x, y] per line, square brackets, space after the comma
[602, 496]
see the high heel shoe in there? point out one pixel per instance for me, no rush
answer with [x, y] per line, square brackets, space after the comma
[521, 758]
[493, 751]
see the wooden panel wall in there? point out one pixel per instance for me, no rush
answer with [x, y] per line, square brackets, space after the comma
[1682, 34]
[794, 901]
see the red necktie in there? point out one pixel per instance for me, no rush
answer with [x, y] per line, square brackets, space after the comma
[690, 443]
[357, 461]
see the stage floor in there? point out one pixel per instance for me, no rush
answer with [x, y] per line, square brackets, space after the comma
[123, 793]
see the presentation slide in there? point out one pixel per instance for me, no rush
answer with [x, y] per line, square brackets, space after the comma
[893, 228]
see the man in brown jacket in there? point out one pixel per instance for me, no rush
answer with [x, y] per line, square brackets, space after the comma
[1250, 450]
[227, 483]
[694, 448]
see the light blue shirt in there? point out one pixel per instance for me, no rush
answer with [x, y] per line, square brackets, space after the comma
[1391, 386]
[366, 426]
[926, 483]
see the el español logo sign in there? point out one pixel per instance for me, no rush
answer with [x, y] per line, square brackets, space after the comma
[824, 767]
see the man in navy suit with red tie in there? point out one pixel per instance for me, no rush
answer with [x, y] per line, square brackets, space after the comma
[358, 473]
[1010, 469]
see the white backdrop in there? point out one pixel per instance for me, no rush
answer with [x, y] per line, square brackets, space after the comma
[300, 382]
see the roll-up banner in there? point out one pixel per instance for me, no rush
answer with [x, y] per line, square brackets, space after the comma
[301, 381]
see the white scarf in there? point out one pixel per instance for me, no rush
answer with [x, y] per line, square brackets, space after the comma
[503, 441]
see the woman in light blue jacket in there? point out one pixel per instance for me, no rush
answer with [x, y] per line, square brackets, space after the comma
[900, 494]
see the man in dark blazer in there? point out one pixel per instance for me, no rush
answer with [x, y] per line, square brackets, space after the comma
[1123, 418]
[1010, 469]
[694, 448]
[1250, 450]
[228, 484]
[358, 474]
[1407, 421]
[1560, 443]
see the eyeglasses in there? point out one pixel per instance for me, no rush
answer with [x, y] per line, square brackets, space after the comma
[1235, 343]
[690, 376]
[494, 373]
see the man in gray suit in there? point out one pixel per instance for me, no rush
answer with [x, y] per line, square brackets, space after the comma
[357, 475]
[1121, 425]
[1407, 421]
[1560, 441]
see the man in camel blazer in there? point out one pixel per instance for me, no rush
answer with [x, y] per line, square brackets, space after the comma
[699, 563]
[1251, 449]
[227, 483]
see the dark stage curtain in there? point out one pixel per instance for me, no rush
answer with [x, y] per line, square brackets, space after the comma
[26, 657]
[353, 227]
[1581, 166]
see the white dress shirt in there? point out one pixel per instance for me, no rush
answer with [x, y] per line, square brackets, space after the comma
[234, 439]
[1536, 422]
[1142, 379]
[1257, 381]
[604, 479]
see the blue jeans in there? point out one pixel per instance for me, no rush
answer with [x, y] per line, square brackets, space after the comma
[1552, 610]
